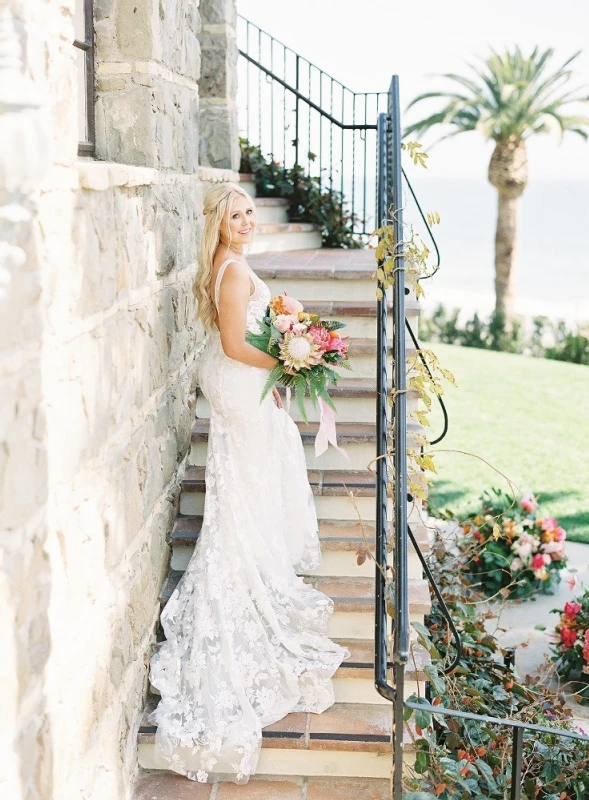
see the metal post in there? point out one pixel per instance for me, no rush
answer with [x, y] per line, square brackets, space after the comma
[297, 113]
[516, 764]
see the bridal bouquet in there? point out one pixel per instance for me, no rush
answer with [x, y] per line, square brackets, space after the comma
[307, 347]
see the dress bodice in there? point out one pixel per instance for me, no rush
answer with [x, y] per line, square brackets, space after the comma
[258, 302]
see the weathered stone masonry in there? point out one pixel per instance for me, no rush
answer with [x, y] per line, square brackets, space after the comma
[97, 378]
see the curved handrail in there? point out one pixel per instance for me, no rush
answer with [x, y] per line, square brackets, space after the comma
[429, 230]
[440, 401]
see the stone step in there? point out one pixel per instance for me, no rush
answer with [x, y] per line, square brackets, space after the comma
[248, 182]
[353, 615]
[159, 785]
[347, 740]
[353, 682]
[332, 490]
[355, 399]
[271, 211]
[341, 541]
[327, 273]
[359, 317]
[286, 236]
[358, 440]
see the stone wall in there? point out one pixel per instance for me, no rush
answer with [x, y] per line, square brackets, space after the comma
[97, 382]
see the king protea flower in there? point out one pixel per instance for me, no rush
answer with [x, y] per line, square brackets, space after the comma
[299, 351]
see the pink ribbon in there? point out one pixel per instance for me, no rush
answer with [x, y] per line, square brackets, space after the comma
[326, 434]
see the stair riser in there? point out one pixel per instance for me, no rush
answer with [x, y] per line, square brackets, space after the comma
[330, 507]
[359, 456]
[349, 409]
[274, 215]
[340, 289]
[357, 624]
[249, 187]
[279, 242]
[274, 761]
[355, 690]
[335, 564]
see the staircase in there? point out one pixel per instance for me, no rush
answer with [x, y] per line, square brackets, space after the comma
[346, 751]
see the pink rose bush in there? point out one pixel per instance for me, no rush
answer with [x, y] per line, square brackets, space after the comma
[307, 347]
[517, 550]
[571, 645]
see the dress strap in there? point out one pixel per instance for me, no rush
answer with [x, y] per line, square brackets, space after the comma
[220, 274]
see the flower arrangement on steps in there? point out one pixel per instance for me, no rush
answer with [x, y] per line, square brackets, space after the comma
[509, 549]
[571, 646]
[456, 758]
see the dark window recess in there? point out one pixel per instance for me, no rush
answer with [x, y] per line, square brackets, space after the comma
[84, 44]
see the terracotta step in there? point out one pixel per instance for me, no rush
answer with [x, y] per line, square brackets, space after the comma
[332, 490]
[355, 400]
[340, 543]
[311, 274]
[353, 616]
[356, 736]
[159, 785]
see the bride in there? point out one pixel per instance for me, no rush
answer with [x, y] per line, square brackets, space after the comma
[246, 639]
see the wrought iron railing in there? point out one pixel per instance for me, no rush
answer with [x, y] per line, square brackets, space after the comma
[390, 208]
[298, 114]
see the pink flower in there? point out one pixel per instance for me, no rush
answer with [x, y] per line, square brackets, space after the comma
[538, 561]
[291, 305]
[528, 502]
[285, 322]
[321, 337]
[338, 344]
[572, 582]
[568, 637]
[587, 636]
[549, 524]
[560, 534]
[299, 328]
[572, 609]
[586, 652]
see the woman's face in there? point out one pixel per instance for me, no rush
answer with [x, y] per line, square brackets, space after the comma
[241, 222]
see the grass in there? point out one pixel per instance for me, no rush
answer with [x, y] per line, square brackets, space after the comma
[527, 417]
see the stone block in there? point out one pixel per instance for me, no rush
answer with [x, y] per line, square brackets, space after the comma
[219, 144]
[126, 124]
[135, 25]
[218, 12]
[218, 75]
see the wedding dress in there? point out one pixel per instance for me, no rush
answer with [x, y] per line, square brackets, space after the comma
[246, 638]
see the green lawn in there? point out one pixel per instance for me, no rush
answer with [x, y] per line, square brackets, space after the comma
[525, 416]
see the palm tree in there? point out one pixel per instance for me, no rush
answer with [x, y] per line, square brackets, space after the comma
[510, 98]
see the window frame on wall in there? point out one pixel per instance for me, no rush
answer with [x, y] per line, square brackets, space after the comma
[86, 146]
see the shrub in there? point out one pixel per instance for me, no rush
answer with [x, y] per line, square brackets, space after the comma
[509, 549]
[497, 334]
[308, 199]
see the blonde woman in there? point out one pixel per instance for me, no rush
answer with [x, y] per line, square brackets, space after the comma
[246, 639]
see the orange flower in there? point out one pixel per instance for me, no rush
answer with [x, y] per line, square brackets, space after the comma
[547, 536]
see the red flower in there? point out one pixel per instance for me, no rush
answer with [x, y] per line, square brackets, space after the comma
[568, 637]
[572, 609]
[538, 561]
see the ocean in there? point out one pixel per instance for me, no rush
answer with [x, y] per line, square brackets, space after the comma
[552, 262]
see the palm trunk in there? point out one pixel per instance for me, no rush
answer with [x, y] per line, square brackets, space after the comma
[505, 250]
[508, 172]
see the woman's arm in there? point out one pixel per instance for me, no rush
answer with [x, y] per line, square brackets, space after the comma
[234, 295]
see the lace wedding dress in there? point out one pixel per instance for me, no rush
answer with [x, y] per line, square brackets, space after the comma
[246, 639]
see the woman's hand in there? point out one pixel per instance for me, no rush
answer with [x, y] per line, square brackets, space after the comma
[277, 398]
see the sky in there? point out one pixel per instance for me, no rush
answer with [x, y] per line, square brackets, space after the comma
[363, 44]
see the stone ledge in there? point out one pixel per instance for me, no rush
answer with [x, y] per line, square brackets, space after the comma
[99, 176]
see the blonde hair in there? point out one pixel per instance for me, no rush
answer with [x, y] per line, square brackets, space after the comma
[218, 202]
